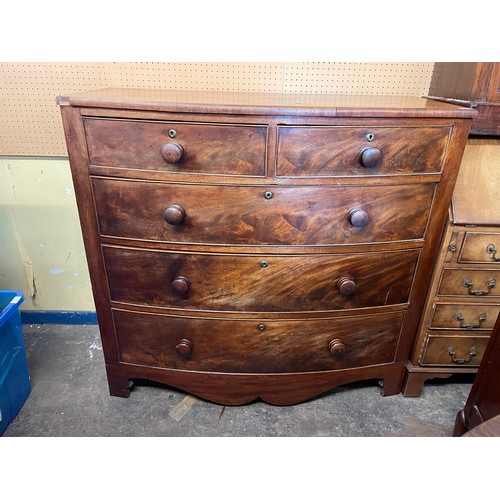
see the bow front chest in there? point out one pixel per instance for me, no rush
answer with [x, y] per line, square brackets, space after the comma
[272, 246]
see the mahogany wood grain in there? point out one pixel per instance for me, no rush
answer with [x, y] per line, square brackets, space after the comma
[239, 388]
[336, 151]
[243, 215]
[206, 148]
[376, 232]
[264, 103]
[242, 346]
[266, 283]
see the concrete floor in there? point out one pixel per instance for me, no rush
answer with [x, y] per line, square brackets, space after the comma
[70, 398]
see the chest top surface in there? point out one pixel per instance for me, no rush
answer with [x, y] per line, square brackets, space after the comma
[250, 103]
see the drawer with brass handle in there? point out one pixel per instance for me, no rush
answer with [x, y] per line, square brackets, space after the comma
[457, 350]
[256, 346]
[464, 316]
[360, 151]
[261, 215]
[469, 283]
[480, 248]
[268, 283]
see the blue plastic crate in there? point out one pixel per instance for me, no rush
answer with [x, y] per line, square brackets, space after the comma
[14, 376]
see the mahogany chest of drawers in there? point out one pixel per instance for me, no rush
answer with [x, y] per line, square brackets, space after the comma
[272, 246]
[464, 297]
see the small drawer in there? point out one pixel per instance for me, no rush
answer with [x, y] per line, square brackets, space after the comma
[256, 346]
[264, 215]
[258, 283]
[177, 147]
[473, 283]
[483, 248]
[453, 350]
[464, 316]
[360, 151]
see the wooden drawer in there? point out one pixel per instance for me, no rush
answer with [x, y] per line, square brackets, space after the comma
[480, 248]
[470, 283]
[464, 316]
[196, 148]
[253, 346]
[453, 350]
[263, 215]
[340, 151]
[258, 283]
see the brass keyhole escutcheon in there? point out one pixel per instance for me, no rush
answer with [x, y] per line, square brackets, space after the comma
[172, 133]
[268, 195]
[370, 137]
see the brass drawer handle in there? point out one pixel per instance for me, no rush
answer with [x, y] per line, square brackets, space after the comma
[468, 284]
[461, 361]
[460, 317]
[493, 251]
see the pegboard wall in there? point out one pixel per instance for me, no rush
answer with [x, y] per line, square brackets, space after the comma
[31, 123]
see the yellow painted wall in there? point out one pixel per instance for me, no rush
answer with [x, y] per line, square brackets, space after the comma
[41, 246]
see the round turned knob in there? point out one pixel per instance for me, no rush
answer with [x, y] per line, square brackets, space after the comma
[358, 217]
[347, 286]
[180, 285]
[172, 152]
[370, 157]
[174, 215]
[336, 346]
[184, 347]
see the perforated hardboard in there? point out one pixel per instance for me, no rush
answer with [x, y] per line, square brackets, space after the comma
[31, 123]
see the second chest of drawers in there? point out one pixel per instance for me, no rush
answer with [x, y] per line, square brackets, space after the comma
[464, 298]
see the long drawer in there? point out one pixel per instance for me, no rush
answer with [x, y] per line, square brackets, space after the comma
[360, 151]
[252, 346]
[237, 215]
[177, 147]
[258, 282]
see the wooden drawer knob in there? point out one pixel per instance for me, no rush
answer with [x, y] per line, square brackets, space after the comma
[184, 347]
[172, 152]
[347, 286]
[174, 215]
[370, 157]
[358, 217]
[181, 285]
[336, 346]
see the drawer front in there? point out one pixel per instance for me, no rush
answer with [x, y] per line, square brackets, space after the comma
[271, 215]
[472, 283]
[366, 151]
[196, 148]
[480, 248]
[464, 316]
[453, 350]
[259, 283]
[252, 346]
